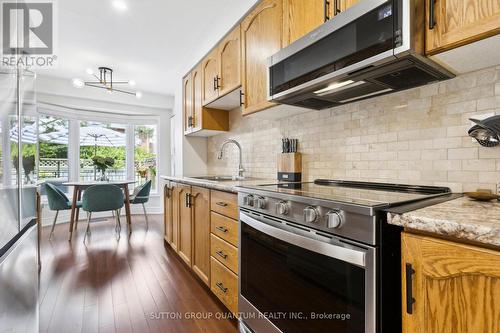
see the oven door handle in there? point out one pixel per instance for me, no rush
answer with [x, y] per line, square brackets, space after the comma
[343, 253]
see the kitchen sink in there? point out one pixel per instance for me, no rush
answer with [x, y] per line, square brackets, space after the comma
[221, 178]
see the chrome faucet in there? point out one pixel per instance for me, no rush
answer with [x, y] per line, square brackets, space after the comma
[220, 155]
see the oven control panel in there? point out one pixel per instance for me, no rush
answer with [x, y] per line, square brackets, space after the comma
[327, 218]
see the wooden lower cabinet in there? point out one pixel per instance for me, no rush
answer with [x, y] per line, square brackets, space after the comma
[224, 252]
[185, 225]
[200, 203]
[167, 213]
[224, 284]
[205, 240]
[455, 287]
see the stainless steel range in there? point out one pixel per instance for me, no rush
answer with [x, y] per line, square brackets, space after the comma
[320, 257]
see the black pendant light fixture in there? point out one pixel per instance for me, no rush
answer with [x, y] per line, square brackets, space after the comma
[104, 80]
[487, 131]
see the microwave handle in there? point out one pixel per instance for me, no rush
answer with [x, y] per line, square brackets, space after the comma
[351, 256]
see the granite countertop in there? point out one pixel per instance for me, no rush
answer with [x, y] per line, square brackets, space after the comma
[224, 185]
[462, 218]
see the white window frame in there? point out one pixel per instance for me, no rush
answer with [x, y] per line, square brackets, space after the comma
[74, 135]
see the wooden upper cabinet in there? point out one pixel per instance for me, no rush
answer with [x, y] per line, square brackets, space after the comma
[261, 37]
[229, 55]
[199, 120]
[459, 22]
[201, 232]
[184, 248]
[342, 5]
[187, 102]
[196, 77]
[455, 287]
[302, 16]
[211, 78]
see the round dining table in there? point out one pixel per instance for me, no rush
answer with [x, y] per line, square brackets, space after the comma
[80, 186]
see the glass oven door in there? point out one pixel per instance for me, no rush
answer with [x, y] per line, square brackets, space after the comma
[297, 280]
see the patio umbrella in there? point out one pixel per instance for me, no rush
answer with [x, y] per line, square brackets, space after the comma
[101, 136]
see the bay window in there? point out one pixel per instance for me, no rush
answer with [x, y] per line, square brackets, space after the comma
[71, 148]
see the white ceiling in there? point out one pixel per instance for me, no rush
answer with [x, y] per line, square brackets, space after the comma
[154, 42]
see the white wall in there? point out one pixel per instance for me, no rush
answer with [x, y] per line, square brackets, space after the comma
[60, 95]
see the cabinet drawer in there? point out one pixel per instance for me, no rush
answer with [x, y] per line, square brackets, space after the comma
[224, 252]
[224, 284]
[224, 227]
[224, 203]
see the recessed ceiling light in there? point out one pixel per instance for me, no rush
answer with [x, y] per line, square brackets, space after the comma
[77, 83]
[120, 5]
[131, 82]
[138, 94]
[90, 71]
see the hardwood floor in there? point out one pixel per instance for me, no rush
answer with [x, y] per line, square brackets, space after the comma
[130, 284]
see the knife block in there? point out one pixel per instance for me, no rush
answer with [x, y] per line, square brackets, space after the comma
[290, 167]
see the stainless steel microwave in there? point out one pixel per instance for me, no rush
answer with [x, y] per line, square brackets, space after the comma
[373, 48]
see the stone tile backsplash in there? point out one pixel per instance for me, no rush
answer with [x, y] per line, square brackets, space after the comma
[417, 136]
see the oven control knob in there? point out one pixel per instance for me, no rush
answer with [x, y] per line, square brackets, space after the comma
[310, 214]
[261, 203]
[248, 200]
[282, 208]
[333, 219]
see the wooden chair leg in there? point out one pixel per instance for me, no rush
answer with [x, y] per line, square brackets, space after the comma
[53, 224]
[77, 218]
[145, 216]
[87, 232]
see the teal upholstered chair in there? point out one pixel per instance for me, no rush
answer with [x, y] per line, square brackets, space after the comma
[141, 196]
[58, 201]
[102, 198]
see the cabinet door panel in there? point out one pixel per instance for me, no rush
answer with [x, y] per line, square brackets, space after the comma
[176, 202]
[261, 33]
[301, 17]
[196, 77]
[458, 22]
[185, 227]
[187, 102]
[210, 75]
[201, 233]
[168, 213]
[229, 62]
[456, 287]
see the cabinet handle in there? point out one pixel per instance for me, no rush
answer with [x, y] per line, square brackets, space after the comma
[409, 288]
[220, 228]
[221, 254]
[189, 200]
[432, 23]
[190, 121]
[221, 203]
[221, 287]
[167, 191]
[186, 198]
[215, 83]
[327, 10]
[336, 9]
[241, 98]
[217, 80]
